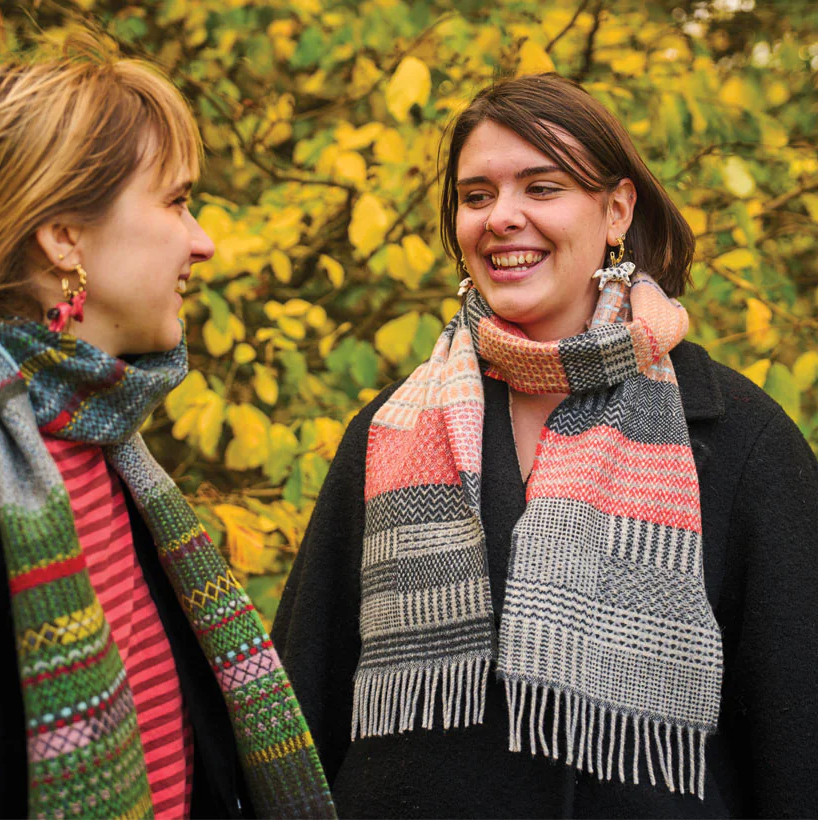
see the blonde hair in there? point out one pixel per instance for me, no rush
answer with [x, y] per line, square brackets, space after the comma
[73, 129]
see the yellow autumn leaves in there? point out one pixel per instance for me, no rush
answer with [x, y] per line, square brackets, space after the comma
[371, 219]
[410, 85]
[300, 461]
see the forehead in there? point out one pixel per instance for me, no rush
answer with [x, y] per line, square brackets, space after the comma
[159, 169]
[495, 148]
[490, 142]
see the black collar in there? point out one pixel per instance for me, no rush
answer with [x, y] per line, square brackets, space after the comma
[698, 384]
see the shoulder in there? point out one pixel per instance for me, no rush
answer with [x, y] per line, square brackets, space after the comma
[737, 413]
[713, 390]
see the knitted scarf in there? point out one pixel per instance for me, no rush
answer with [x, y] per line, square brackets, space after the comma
[84, 751]
[607, 643]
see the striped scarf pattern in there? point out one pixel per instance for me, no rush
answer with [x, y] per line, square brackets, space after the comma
[84, 751]
[607, 647]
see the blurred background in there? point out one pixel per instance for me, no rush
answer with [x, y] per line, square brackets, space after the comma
[322, 122]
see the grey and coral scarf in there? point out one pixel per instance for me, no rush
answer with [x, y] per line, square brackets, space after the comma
[83, 740]
[607, 641]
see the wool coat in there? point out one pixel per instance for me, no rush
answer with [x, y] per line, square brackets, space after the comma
[759, 498]
[219, 788]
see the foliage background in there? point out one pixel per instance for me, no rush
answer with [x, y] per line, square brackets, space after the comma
[322, 121]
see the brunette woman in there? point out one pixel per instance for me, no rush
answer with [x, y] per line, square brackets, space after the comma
[566, 568]
[138, 679]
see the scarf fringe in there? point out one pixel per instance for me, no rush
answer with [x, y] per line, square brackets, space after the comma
[384, 700]
[595, 736]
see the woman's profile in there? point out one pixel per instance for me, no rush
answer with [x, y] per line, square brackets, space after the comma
[569, 537]
[138, 679]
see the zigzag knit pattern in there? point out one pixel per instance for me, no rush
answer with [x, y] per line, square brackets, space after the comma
[84, 750]
[607, 645]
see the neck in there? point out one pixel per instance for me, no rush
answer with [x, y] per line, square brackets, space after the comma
[98, 334]
[555, 328]
[568, 322]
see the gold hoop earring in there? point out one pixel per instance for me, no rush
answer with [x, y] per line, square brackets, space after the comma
[69, 294]
[621, 254]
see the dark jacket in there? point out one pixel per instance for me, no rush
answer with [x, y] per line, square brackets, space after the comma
[219, 789]
[759, 497]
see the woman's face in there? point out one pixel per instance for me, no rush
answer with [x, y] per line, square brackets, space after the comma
[138, 258]
[546, 235]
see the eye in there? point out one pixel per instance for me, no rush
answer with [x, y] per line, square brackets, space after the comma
[475, 198]
[543, 189]
[183, 200]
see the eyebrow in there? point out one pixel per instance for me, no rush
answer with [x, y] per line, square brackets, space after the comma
[182, 188]
[526, 172]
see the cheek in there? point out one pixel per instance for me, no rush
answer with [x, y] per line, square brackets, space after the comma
[469, 230]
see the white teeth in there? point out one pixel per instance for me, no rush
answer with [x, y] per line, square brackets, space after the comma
[181, 286]
[516, 259]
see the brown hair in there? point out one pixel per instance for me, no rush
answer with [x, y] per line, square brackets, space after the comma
[659, 241]
[73, 129]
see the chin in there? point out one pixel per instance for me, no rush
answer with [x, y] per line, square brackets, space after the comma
[514, 310]
[169, 340]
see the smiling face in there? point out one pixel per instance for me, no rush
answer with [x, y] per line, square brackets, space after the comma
[546, 234]
[138, 258]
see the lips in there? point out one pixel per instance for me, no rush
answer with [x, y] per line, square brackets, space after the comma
[512, 265]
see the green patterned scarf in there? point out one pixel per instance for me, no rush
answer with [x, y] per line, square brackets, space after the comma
[82, 734]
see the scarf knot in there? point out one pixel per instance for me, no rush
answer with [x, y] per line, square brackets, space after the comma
[78, 392]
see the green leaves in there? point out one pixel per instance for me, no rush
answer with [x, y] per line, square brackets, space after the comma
[357, 359]
[311, 47]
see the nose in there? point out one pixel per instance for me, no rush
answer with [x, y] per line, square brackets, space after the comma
[507, 215]
[201, 245]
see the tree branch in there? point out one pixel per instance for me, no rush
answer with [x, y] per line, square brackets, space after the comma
[768, 207]
[568, 26]
[588, 53]
[797, 321]
[706, 151]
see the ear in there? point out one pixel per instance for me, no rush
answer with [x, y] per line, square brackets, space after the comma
[621, 204]
[58, 241]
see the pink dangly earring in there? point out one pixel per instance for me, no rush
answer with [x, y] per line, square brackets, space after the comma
[72, 307]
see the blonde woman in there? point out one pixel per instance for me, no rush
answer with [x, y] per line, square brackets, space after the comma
[138, 679]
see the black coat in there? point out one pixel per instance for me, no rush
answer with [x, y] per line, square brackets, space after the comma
[759, 498]
[219, 789]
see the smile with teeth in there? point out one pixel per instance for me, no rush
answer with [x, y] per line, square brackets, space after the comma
[520, 260]
[181, 285]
